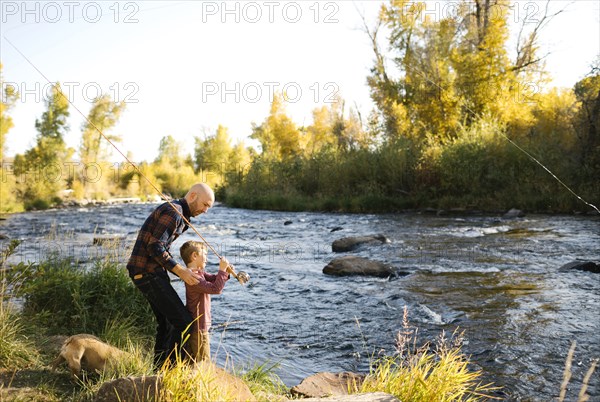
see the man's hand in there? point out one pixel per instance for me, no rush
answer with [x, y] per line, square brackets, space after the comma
[186, 275]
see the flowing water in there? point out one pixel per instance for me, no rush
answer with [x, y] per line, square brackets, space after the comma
[495, 279]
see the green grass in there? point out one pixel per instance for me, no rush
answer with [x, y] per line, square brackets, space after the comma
[262, 380]
[16, 348]
[63, 297]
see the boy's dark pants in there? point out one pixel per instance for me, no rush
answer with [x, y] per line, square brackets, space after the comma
[172, 317]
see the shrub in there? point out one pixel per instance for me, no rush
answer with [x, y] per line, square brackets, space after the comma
[65, 298]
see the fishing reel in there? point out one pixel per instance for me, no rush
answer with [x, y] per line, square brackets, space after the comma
[241, 276]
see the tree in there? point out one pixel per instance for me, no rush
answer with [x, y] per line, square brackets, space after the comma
[422, 100]
[8, 199]
[9, 98]
[213, 152]
[279, 137]
[50, 148]
[587, 122]
[320, 133]
[450, 72]
[103, 116]
[47, 159]
[94, 149]
[170, 152]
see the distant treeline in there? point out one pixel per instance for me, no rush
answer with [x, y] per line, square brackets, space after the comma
[452, 108]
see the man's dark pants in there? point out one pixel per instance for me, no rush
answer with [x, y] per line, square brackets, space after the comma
[172, 317]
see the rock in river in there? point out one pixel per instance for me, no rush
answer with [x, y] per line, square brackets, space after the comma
[514, 213]
[352, 265]
[350, 243]
[588, 266]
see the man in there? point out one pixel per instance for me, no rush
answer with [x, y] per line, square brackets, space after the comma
[150, 260]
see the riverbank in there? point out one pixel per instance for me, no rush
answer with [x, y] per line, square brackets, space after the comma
[377, 204]
[356, 205]
[58, 298]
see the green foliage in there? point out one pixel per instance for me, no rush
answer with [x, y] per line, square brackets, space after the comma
[92, 173]
[440, 134]
[174, 181]
[587, 123]
[8, 189]
[15, 347]
[172, 171]
[65, 298]
[217, 161]
[16, 350]
[212, 153]
[278, 135]
[9, 201]
[262, 380]
[9, 98]
[170, 152]
[103, 116]
[41, 169]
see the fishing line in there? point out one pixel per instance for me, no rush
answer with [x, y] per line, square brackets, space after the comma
[520, 149]
[162, 195]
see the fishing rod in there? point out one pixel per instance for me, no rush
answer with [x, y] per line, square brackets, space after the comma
[241, 276]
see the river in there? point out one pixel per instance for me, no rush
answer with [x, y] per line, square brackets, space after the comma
[495, 279]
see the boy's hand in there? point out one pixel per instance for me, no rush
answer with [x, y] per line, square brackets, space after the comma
[224, 265]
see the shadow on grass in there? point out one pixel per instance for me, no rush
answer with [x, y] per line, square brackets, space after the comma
[36, 384]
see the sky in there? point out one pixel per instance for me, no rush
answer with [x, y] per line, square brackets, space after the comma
[183, 68]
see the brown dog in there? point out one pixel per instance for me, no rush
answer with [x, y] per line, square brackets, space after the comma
[89, 352]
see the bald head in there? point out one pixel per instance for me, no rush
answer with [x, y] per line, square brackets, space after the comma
[200, 198]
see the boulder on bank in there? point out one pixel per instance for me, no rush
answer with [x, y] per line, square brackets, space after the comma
[351, 243]
[352, 265]
[221, 379]
[142, 389]
[369, 397]
[325, 384]
[587, 266]
[133, 389]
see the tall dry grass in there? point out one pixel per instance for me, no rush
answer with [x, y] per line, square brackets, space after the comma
[428, 373]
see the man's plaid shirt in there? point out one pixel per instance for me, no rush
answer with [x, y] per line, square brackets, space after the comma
[151, 250]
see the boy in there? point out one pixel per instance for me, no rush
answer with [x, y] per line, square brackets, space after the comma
[197, 296]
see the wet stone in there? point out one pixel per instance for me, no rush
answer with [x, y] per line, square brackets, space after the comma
[352, 265]
[587, 266]
[351, 243]
[514, 213]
